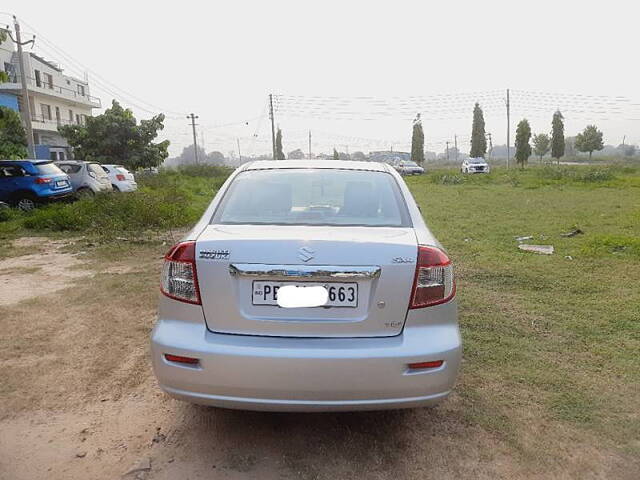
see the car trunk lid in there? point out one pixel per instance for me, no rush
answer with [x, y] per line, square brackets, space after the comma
[234, 261]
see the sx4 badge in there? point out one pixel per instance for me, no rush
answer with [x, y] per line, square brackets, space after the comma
[214, 254]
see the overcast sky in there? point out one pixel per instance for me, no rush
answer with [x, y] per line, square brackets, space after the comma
[221, 59]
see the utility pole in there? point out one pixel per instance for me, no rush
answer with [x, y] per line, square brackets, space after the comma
[448, 142]
[455, 139]
[309, 144]
[488, 134]
[239, 154]
[273, 126]
[26, 107]
[508, 129]
[193, 126]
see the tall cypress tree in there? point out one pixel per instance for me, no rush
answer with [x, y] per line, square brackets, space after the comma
[478, 137]
[523, 148]
[417, 141]
[336, 155]
[557, 136]
[279, 151]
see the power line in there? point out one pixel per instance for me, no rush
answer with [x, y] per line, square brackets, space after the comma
[105, 83]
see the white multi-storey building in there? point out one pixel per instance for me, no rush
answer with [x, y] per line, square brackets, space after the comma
[55, 99]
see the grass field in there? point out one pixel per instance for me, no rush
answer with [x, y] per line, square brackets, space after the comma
[551, 342]
[550, 383]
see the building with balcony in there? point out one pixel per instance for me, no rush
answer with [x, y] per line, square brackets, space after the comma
[55, 99]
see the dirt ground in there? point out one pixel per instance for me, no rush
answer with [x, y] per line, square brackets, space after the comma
[79, 399]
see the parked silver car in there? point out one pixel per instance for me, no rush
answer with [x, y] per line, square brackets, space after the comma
[87, 178]
[406, 167]
[369, 319]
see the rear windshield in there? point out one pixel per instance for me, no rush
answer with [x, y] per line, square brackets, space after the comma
[48, 169]
[313, 197]
[97, 169]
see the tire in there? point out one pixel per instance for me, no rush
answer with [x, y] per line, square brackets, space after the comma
[25, 201]
[115, 188]
[85, 193]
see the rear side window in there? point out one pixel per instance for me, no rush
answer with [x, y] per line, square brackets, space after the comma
[313, 197]
[48, 169]
[70, 168]
[97, 169]
[11, 171]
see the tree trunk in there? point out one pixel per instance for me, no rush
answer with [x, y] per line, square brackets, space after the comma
[590, 155]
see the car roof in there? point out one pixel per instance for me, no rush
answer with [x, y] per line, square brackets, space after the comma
[316, 163]
[27, 160]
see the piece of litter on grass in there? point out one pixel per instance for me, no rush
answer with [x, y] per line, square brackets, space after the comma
[542, 249]
[522, 239]
[568, 257]
[572, 233]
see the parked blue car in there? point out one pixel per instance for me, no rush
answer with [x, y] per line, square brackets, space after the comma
[26, 183]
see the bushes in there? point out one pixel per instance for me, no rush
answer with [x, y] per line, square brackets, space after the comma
[171, 199]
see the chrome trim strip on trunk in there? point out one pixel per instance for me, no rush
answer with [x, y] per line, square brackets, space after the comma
[303, 272]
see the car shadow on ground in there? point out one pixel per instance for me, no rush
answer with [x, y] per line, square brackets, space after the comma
[311, 445]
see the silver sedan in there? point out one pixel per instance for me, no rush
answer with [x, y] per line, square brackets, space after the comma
[308, 286]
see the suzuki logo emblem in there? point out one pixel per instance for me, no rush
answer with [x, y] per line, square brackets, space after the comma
[305, 254]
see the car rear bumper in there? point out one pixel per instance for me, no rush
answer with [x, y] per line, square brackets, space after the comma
[306, 374]
[56, 197]
[126, 186]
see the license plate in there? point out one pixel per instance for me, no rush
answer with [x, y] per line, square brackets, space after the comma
[340, 294]
[61, 183]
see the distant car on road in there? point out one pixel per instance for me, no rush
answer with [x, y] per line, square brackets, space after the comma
[406, 167]
[308, 285]
[475, 165]
[122, 180]
[87, 178]
[26, 183]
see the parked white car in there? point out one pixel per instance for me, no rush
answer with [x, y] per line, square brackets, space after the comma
[475, 165]
[122, 180]
[308, 285]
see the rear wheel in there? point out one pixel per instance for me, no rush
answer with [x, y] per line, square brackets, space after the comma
[25, 201]
[115, 188]
[84, 193]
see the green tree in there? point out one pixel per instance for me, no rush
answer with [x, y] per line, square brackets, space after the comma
[417, 142]
[336, 155]
[478, 136]
[523, 149]
[279, 151]
[541, 144]
[13, 139]
[589, 140]
[296, 154]
[557, 136]
[116, 137]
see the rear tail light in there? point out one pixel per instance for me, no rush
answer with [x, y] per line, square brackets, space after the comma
[433, 283]
[42, 180]
[423, 365]
[179, 277]
[181, 359]
[120, 177]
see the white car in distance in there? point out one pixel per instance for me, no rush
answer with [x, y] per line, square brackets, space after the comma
[122, 180]
[475, 165]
